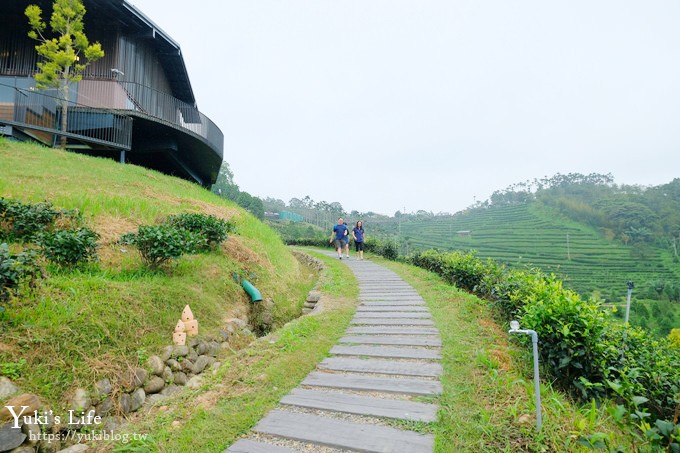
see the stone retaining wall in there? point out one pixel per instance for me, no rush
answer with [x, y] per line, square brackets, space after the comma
[103, 408]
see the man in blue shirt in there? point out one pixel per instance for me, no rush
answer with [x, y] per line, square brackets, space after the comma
[340, 235]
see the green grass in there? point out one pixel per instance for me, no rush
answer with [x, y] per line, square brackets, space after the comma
[487, 381]
[254, 379]
[81, 326]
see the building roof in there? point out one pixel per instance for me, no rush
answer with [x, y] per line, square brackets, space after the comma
[123, 14]
[169, 52]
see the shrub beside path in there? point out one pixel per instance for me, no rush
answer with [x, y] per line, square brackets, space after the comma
[388, 359]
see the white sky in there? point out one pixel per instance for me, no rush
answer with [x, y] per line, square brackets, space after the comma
[427, 104]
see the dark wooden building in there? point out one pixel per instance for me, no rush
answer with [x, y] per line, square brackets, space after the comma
[135, 104]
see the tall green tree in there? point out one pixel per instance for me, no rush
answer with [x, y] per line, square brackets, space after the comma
[225, 185]
[61, 63]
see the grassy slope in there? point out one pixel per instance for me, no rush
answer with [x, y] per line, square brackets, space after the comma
[82, 326]
[254, 379]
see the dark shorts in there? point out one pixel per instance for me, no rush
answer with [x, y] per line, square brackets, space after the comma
[359, 246]
[340, 243]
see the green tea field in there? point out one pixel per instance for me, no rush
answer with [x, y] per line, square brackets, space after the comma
[533, 235]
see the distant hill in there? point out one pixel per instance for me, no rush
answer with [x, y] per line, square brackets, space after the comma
[593, 233]
[534, 234]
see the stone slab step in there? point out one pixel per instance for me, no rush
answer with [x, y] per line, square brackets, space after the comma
[392, 308]
[253, 446]
[391, 321]
[381, 367]
[393, 340]
[387, 351]
[392, 330]
[395, 291]
[408, 386]
[394, 314]
[343, 434]
[363, 297]
[406, 289]
[362, 405]
[392, 303]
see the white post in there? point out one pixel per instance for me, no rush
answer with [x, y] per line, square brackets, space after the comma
[514, 328]
[631, 285]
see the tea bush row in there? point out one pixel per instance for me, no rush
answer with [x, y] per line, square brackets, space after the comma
[211, 231]
[17, 270]
[59, 234]
[23, 222]
[582, 349]
[186, 233]
[69, 248]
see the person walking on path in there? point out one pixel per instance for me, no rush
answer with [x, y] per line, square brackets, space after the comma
[340, 235]
[358, 235]
[347, 243]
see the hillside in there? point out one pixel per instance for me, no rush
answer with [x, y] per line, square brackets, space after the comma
[79, 326]
[535, 235]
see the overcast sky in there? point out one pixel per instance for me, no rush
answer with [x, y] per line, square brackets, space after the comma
[393, 104]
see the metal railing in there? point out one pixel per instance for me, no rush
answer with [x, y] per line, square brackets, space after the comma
[121, 95]
[104, 98]
[39, 113]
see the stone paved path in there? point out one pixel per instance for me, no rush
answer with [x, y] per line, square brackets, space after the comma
[388, 358]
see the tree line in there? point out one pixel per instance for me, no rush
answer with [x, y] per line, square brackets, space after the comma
[633, 214]
[225, 187]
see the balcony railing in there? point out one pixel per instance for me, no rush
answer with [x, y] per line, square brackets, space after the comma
[109, 98]
[38, 113]
[120, 95]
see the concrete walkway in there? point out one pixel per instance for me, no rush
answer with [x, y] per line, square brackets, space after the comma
[387, 359]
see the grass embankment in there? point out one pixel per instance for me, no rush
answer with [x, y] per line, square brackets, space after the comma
[81, 326]
[487, 403]
[254, 379]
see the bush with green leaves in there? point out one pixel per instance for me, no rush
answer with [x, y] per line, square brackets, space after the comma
[386, 249]
[674, 338]
[431, 260]
[582, 348]
[571, 331]
[643, 366]
[17, 270]
[462, 269]
[159, 244]
[69, 248]
[212, 229]
[25, 221]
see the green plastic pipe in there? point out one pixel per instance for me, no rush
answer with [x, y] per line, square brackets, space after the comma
[254, 294]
